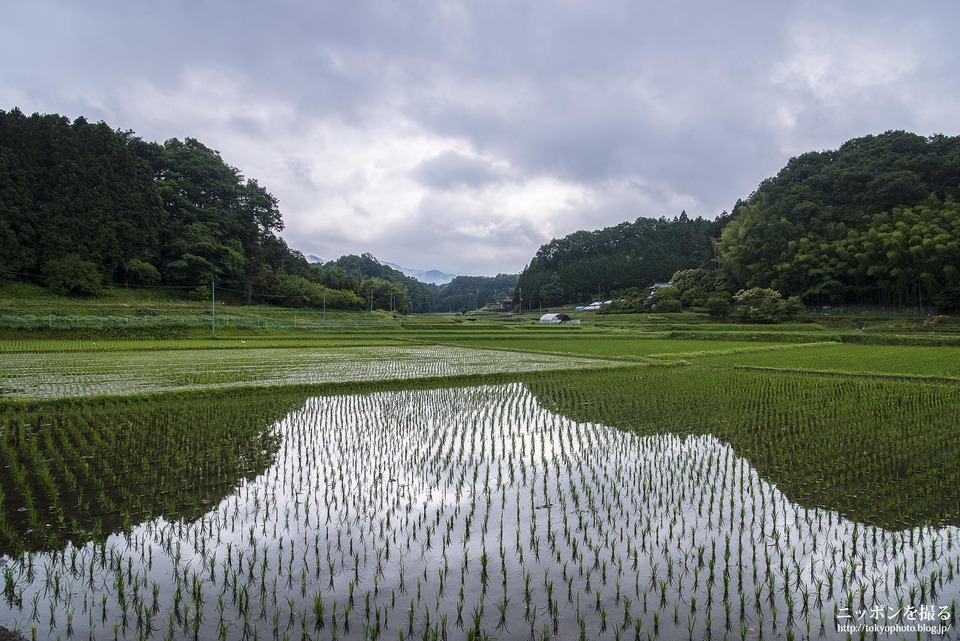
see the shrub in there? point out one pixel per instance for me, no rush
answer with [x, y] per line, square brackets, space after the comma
[667, 306]
[665, 300]
[139, 272]
[74, 276]
[718, 305]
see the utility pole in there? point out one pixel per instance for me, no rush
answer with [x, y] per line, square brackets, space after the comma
[324, 307]
[213, 309]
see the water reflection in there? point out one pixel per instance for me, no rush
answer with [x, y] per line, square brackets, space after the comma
[79, 471]
[454, 513]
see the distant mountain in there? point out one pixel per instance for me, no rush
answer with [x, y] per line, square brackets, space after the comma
[314, 259]
[429, 276]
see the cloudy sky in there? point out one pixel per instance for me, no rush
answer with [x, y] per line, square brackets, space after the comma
[461, 135]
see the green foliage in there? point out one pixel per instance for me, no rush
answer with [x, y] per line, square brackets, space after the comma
[764, 305]
[631, 301]
[384, 294]
[696, 286]
[391, 289]
[629, 255]
[73, 276]
[875, 221]
[475, 292]
[334, 277]
[666, 300]
[719, 305]
[139, 272]
[297, 291]
[134, 209]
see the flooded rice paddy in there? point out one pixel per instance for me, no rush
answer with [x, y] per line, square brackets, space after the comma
[55, 375]
[471, 513]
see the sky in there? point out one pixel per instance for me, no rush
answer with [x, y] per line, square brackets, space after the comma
[463, 135]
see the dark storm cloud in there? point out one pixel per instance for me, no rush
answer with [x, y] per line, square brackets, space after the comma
[478, 130]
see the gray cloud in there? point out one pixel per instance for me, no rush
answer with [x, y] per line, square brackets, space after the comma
[460, 135]
[451, 169]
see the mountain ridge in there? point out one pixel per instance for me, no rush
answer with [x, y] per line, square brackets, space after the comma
[428, 276]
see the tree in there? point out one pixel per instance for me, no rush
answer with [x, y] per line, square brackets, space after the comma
[861, 223]
[631, 254]
[297, 291]
[552, 292]
[665, 300]
[383, 294]
[695, 286]
[414, 295]
[121, 203]
[718, 305]
[765, 305]
[139, 272]
[74, 276]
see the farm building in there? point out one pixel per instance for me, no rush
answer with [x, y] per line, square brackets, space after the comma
[653, 288]
[556, 318]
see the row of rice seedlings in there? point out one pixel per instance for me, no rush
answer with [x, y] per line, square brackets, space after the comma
[77, 472]
[881, 451]
[941, 362]
[329, 338]
[54, 375]
[478, 513]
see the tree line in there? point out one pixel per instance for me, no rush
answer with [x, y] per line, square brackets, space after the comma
[874, 222]
[610, 263]
[84, 206]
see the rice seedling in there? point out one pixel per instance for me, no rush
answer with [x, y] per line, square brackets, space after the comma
[66, 373]
[275, 520]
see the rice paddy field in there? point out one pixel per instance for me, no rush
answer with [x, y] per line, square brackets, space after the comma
[86, 373]
[480, 484]
[935, 362]
[612, 346]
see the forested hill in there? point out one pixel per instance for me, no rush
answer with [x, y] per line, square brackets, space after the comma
[461, 294]
[586, 265]
[875, 221]
[83, 204]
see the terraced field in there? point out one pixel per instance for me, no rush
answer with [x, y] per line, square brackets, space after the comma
[473, 484]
